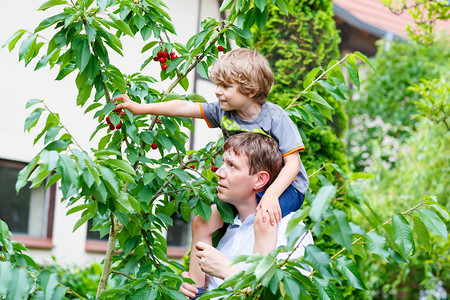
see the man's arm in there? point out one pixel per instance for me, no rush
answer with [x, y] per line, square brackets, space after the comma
[174, 108]
[269, 202]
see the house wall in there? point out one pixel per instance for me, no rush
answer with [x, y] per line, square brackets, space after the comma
[19, 84]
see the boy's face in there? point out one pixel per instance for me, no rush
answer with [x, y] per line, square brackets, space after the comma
[230, 98]
[235, 181]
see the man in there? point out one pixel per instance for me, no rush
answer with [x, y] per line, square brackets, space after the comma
[251, 162]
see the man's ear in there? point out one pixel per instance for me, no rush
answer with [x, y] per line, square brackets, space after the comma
[262, 177]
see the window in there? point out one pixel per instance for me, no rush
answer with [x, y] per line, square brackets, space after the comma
[178, 237]
[29, 214]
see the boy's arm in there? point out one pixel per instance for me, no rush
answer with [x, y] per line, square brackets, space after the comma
[269, 203]
[174, 108]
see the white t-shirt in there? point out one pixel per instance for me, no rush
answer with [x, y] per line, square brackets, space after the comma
[240, 239]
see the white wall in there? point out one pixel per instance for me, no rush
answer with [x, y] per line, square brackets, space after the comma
[19, 84]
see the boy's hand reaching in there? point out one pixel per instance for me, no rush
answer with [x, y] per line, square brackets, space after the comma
[270, 209]
[126, 103]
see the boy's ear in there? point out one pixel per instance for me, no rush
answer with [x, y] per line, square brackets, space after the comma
[252, 94]
[262, 178]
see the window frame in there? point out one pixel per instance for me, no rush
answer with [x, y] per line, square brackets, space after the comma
[31, 242]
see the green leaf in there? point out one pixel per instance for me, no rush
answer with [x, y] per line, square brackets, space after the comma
[83, 53]
[90, 32]
[110, 179]
[433, 223]
[51, 3]
[353, 74]
[113, 291]
[86, 215]
[122, 165]
[422, 233]
[324, 291]
[364, 59]
[292, 287]
[50, 21]
[5, 276]
[25, 46]
[350, 270]
[32, 102]
[260, 4]
[165, 142]
[121, 25]
[202, 69]
[225, 211]
[340, 229]
[20, 284]
[77, 209]
[265, 265]
[32, 120]
[203, 209]
[48, 282]
[226, 5]
[22, 178]
[4, 230]
[12, 41]
[83, 95]
[315, 97]
[181, 174]
[319, 260]
[321, 202]
[402, 234]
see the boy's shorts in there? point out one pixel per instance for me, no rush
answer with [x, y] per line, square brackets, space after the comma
[201, 291]
[291, 200]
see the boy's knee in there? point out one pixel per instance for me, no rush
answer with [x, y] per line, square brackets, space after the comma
[198, 224]
[262, 227]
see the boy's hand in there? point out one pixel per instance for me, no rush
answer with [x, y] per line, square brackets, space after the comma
[270, 209]
[127, 103]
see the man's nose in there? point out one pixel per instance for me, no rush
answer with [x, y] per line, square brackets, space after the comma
[219, 172]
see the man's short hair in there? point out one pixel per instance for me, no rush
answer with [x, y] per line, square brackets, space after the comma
[261, 151]
[246, 68]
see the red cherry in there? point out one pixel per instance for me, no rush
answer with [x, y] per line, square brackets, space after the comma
[156, 58]
[165, 54]
[192, 167]
[108, 120]
[111, 126]
[119, 126]
[119, 111]
[174, 56]
[164, 67]
[154, 146]
[160, 53]
[214, 169]
[162, 60]
[220, 48]
[172, 53]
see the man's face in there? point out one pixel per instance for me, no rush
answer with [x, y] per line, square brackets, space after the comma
[235, 182]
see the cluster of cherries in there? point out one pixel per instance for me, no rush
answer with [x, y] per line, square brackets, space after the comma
[111, 125]
[163, 56]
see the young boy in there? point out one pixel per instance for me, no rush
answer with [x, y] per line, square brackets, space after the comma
[243, 80]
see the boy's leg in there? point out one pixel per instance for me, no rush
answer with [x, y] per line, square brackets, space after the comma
[265, 235]
[202, 231]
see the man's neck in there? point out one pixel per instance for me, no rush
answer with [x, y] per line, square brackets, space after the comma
[246, 208]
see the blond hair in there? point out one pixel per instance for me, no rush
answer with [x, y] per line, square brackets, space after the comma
[261, 151]
[246, 68]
